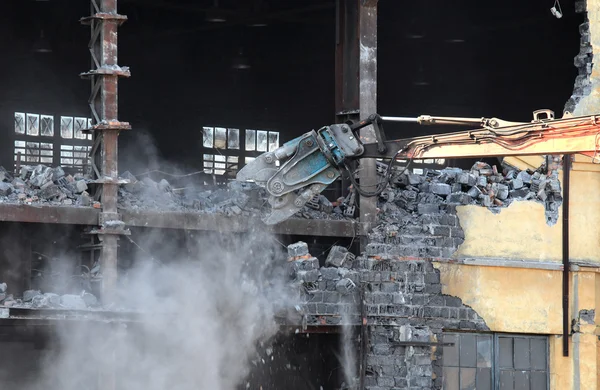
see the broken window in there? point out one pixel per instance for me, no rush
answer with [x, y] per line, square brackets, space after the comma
[233, 138]
[219, 164]
[47, 125]
[499, 362]
[79, 125]
[66, 127]
[39, 125]
[33, 152]
[19, 123]
[220, 141]
[262, 140]
[250, 140]
[33, 124]
[207, 137]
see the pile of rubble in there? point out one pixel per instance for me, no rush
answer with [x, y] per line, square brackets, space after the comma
[483, 185]
[35, 299]
[42, 184]
[235, 198]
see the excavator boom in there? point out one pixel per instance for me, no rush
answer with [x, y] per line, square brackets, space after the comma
[560, 136]
[309, 163]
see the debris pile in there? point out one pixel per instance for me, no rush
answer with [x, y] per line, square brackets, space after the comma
[483, 185]
[42, 184]
[35, 299]
[235, 198]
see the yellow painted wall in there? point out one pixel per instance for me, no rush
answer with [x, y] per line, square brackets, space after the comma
[525, 300]
[514, 300]
[520, 231]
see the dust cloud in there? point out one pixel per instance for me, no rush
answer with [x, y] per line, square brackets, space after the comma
[203, 316]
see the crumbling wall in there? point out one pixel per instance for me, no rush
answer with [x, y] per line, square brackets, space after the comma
[583, 101]
[405, 310]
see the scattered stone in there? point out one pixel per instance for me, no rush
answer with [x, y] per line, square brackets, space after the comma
[5, 189]
[339, 257]
[28, 295]
[89, 299]
[80, 186]
[297, 249]
[58, 173]
[5, 175]
[441, 189]
[50, 192]
[3, 287]
[84, 199]
[18, 183]
[467, 179]
[164, 186]
[72, 302]
[345, 286]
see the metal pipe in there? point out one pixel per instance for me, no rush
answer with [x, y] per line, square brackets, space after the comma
[404, 119]
[565, 252]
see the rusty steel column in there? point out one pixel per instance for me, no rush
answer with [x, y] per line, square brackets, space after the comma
[356, 83]
[346, 61]
[104, 75]
[367, 75]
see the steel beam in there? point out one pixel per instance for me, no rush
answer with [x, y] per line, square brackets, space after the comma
[104, 75]
[70, 215]
[368, 103]
[239, 224]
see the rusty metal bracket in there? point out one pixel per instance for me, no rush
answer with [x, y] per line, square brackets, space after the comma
[87, 20]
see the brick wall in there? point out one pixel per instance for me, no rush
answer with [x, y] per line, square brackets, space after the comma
[582, 61]
[403, 303]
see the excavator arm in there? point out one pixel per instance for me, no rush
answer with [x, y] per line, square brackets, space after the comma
[309, 163]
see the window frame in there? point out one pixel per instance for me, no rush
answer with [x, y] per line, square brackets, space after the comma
[242, 153]
[495, 363]
[496, 355]
[53, 137]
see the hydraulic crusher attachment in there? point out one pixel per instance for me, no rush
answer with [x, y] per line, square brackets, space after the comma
[311, 162]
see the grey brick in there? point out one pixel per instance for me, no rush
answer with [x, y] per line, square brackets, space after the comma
[316, 296]
[330, 273]
[433, 288]
[428, 208]
[466, 325]
[457, 232]
[308, 276]
[441, 231]
[305, 265]
[297, 249]
[399, 299]
[436, 300]
[451, 301]
[466, 178]
[420, 360]
[464, 313]
[421, 381]
[453, 313]
[311, 308]
[440, 188]
[460, 197]
[432, 277]
[382, 349]
[386, 381]
[389, 369]
[322, 308]
[331, 297]
[389, 287]
[400, 382]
